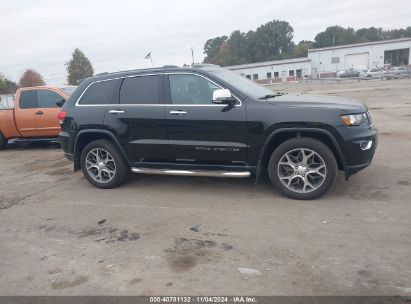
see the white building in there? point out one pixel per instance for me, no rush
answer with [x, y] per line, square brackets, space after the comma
[274, 71]
[326, 62]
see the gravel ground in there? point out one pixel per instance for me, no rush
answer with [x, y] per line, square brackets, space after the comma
[353, 241]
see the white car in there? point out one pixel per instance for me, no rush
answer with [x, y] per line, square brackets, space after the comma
[374, 72]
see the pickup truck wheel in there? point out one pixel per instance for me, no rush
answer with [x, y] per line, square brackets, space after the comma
[3, 142]
[302, 168]
[102, 164]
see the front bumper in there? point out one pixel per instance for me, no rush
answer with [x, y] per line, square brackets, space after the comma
[358, 145]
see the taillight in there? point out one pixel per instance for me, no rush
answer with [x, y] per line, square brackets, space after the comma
[61, 115]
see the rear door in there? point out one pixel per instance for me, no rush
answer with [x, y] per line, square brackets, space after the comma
[137, 118]
[26, 112]
[46, 119]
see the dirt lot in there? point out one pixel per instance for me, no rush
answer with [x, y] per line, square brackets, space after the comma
[354, 241]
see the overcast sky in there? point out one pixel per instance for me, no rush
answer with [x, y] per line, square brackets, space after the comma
[116, 35]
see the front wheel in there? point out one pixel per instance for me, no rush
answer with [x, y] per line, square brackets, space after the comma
[102, 164]
[302, 168]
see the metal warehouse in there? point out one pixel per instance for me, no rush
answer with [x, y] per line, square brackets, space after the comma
[274, 71]
[326, 62]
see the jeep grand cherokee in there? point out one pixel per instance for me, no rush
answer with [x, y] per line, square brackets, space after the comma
[208, 121]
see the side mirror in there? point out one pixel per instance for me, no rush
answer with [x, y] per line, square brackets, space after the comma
[60, 103]
[223, 96]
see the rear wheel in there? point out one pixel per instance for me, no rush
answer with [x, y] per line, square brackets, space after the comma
[3, 142]
[102, 164]
[303, 168]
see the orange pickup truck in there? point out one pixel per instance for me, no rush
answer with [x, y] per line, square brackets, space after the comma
[34, 115]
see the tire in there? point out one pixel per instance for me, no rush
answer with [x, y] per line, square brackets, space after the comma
[289, 175]
[98, 170]
[3, 142]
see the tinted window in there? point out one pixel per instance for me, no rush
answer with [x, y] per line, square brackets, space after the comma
[191, 89]
[28, 100]
[141, 90]
[48, 99]
[99, 93]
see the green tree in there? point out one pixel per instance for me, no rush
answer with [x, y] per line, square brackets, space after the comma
[335, 35]
[78, 68]
[31, 78]
[272, 39]
[212, 47]
[7, 86]
[239, 48]
[368, 34]
[301, 49]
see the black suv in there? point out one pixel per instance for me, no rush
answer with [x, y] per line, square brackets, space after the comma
[208, 121]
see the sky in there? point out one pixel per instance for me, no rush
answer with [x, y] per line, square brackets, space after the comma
[116, 35]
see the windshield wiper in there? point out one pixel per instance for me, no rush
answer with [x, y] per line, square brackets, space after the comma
[272, 95]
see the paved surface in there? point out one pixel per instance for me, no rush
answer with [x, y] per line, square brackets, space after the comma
[354, 241]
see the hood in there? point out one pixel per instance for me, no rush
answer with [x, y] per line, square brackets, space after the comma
[303, 100]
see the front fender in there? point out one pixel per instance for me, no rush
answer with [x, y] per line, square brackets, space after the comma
[296, 132]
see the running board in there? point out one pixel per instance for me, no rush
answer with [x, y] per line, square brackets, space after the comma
[210, 173]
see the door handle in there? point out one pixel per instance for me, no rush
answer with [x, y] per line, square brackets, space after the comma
[116, 111]
[179, 112]
[39, 113]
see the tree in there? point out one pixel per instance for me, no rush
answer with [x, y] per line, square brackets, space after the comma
[31, 78]
[368, 34]
[272, 39]
[239, 48]
[7, 86]
[212, 47]
[78, 68]
[301, 49]
[335, 35]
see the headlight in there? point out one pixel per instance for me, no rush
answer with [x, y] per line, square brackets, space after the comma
[355, 119]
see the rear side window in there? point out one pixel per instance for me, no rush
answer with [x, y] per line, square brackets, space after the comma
[99, 93]
[28, 100]
[141, 90]
[48, 99]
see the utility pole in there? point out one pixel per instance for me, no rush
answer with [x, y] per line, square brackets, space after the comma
[191, 47]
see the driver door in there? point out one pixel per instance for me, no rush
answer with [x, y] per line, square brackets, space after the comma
[46, 116]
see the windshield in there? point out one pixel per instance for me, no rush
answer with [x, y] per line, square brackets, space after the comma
[68, 90]
[246, 86]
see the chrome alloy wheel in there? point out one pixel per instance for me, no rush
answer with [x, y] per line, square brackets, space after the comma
[302, 170]
[100, 165]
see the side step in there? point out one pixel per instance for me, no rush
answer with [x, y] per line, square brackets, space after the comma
[210, 173]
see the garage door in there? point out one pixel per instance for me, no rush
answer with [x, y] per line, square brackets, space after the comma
[356, 60]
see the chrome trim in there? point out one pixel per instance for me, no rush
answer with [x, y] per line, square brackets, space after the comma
[366, 145]
[116, 111]
[204, 173]
[77, 104]
[178, 112]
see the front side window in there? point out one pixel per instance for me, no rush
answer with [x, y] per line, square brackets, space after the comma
[191, 89]
[28, 100]
[255, 76]
[269, 75]
[47, 99]
[141, 90]
[99, 93]
[291, 73]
